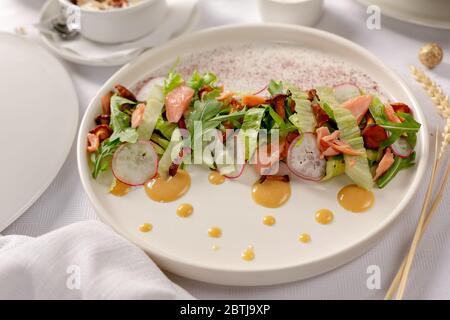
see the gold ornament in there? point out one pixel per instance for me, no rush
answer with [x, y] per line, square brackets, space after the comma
[431, 55]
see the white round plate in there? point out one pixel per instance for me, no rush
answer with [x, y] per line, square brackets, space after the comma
[422, 12]
[246, 57]
[40, 119]
[51, 10]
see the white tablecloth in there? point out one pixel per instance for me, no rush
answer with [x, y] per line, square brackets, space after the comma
[397, 43]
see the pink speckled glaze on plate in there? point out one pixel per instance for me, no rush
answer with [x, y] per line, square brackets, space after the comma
[249, 67]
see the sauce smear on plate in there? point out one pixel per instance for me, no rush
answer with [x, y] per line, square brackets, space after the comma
[248, 254]
[185, 210]
[271, 192]
[324, 216]
[304, 238]
[146, 227]
[215, 232]
[216, 178]
[119, 189]
[269, 220]
[355, 199]
[167, 190]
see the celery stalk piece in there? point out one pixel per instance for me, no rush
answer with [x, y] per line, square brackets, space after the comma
[356, 167]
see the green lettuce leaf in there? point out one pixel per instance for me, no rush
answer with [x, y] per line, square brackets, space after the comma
[198, 81]
[102, 158]
[250, 128]
[173, 80]
[275, 87]
[409, 127]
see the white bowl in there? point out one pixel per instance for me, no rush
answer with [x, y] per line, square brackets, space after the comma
[118, 25]
[301, 12]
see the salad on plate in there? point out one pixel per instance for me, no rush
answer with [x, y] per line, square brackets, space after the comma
[317, 133]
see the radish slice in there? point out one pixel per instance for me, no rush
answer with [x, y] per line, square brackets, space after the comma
[135, 163]
[346, 91]
[239, 158]
[239, 169]
[401, 148]
[146, 88]
[304, 158]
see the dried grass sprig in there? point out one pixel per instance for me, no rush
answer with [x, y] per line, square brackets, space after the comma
[442, 104]
[440, 100]
[434, 91]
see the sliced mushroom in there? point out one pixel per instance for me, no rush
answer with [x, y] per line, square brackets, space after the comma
[284, 178]
[278, 103]
[125, 93]
[137, 116]
[312, 94]
[102, 119]
[106, 103]
[102, 131]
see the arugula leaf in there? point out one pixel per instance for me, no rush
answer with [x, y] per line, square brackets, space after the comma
[166, 128]
[392, 138]
[198, 81]
[230, 116]
[214, 94]
[102, 157]
[203, 111]
[275, 87]
[288, 128]
[120, 121]
[408, 127]
[411, 137]
[173, 80]
[284, 127]
[399, 164]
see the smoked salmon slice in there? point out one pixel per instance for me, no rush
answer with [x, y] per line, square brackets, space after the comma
[253, 100]
[386, 162]
[358, 106]
[177, 102]
[390, 113]
[329, 145]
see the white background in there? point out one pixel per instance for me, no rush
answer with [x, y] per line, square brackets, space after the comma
[397, 43]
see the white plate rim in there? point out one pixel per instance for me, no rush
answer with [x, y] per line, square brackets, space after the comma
[395, 14]
[119, 61]
[73, 131]
[328, 263]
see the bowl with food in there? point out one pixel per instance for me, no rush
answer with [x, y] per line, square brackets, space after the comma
[114, 21]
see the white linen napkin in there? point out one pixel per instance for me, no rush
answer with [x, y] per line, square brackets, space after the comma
[85, 260]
